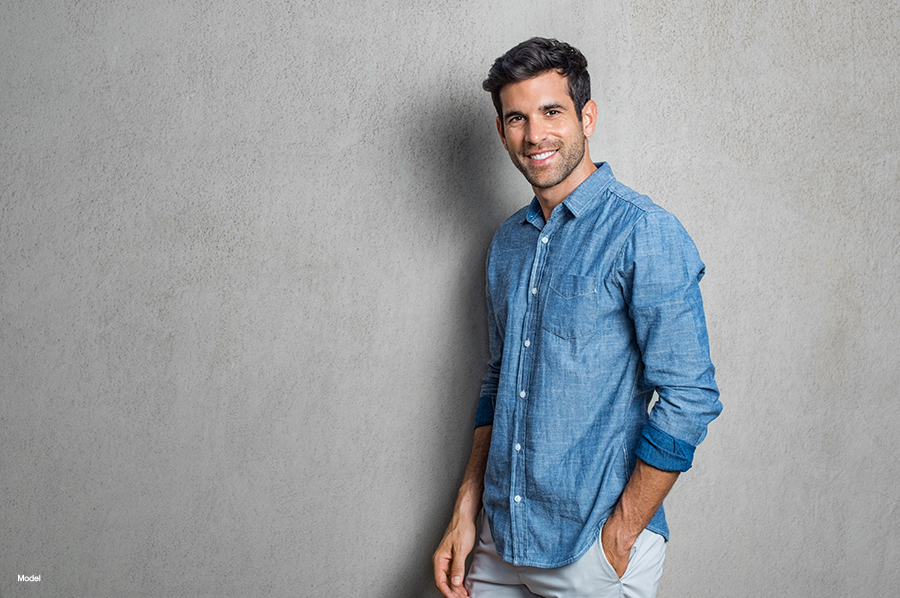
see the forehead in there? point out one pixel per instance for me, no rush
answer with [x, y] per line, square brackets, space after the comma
[546, 89]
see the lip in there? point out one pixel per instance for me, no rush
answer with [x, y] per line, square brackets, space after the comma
[543, 156]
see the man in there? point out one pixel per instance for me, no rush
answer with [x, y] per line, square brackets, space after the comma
[593, 304]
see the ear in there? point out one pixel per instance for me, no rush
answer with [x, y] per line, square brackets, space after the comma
[502, 133]
[589, 118]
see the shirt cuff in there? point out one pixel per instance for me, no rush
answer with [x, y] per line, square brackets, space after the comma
[484, 416]
[662, 451]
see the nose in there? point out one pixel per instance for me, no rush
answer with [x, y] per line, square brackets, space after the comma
[535, 132]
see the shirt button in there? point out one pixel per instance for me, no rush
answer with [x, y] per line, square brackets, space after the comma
[518, 447]
[518, 498]
[544, 240]
[534, 291]
[527, 343]
[522, 394]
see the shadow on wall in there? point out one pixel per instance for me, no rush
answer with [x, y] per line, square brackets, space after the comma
[460, 158]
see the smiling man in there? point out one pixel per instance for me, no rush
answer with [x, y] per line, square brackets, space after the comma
[593, 305]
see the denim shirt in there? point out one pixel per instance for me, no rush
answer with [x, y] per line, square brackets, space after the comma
[588, 315]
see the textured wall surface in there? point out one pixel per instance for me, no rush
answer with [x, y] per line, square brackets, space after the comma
[241, 283]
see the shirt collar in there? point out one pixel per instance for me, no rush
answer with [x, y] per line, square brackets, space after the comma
[579, 200]
[584, 196]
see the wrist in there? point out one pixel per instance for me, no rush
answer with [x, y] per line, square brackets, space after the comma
[621, 533]
[468, 504]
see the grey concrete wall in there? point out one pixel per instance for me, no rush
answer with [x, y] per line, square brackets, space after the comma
[241, 261]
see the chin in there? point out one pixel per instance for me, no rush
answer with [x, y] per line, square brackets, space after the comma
[544, 182]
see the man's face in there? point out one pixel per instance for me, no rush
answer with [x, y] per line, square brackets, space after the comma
[541, 130]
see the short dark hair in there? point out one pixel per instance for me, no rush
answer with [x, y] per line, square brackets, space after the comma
[534, 57]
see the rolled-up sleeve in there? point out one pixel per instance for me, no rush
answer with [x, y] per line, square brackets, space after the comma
[661, 271]
[484, 415]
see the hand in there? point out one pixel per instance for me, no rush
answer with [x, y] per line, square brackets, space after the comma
[616, 546]
[450, 558]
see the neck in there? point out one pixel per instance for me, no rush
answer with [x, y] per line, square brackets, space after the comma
[551, 197]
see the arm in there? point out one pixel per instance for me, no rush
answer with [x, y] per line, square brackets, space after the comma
[661, 273]
[450, 557]
[640, 500]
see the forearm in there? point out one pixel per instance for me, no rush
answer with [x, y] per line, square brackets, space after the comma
[468, 500]
[450, 557]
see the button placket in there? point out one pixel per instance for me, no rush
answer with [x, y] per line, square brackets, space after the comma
[517, 483]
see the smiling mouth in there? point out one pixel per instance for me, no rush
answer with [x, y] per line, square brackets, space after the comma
[542, 155]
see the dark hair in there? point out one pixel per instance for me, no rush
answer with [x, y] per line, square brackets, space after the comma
[534, 57]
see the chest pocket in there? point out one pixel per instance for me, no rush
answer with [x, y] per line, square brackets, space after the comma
[572, 306]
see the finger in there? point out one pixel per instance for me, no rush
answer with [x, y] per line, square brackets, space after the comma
[457, 569]
[452, 591]
[441, 579]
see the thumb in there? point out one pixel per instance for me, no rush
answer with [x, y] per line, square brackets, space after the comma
[457, 569]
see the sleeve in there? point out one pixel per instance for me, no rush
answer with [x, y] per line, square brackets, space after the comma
[484, 415]
[661, 271]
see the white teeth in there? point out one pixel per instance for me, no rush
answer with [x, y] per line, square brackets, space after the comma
[541, 156]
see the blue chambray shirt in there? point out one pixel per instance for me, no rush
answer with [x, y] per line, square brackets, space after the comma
[589, 314]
